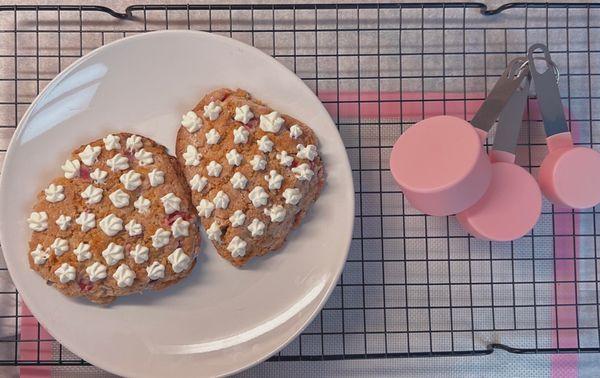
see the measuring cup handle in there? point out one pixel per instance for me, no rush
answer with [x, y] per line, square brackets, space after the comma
[495, 101]
[548, 94]
[510, 121]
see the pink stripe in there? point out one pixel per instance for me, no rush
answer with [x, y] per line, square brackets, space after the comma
[28, 351]
[565, 318]
[566, 247]
[408, 105]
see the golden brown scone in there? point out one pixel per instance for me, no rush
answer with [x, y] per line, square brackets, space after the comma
[254, 173]
[113, 249]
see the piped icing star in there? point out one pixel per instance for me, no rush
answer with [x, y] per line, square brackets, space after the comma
[191, 121]
[54, 193]
[191, 156]
[111, 142]
[271, 122]
[89, 155]
[212, 111]
[243, 114]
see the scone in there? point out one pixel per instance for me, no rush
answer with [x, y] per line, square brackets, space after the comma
[120, 221]
[254, 173]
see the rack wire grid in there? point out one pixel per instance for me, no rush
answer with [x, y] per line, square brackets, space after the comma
[413, 285]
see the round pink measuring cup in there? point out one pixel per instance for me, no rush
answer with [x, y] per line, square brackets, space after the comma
[512, 203]
[440, 163]
[569, 175]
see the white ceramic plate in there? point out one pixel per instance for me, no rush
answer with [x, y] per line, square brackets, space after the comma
[220, 319]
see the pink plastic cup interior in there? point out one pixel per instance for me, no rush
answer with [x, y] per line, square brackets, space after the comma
[569, 175]
[440, 165]
[510, 207]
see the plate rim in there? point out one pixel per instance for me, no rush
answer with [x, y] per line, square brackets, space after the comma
[328, 289]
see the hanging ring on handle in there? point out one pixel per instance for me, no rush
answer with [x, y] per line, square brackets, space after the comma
[553, 65]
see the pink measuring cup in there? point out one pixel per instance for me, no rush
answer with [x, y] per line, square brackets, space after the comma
[439, 163]
[569, 175]
[512, 202]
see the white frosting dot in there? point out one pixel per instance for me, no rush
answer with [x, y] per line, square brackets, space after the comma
[292, 196]
[258, 196]
[156, 177]
[96, 271]
[40, 255]
[111, 142]
[212, 111]
[265, 144]
[277, 213]
[113, 253]
[171, 203]
[144, 157]
[54, 193]
[237, 218]
[214, 169]
[295, 131]
[71, 168]
[119, 198]
[221, 200]
[99, 176]
[214, 232]
[238, 181]
[205, 208]
[142, 205]
[198, 183]
[131, 180]
[303, 172]
[134, 143]
[240, 135]
[309, 152]
[160, 238]
[118, 163]
[274, 180]
[92, 195]
[179, 260]
[124, 276]
[243, 114]
[258, 163]
[212, 137]
[234, 158]
[89, 155]
[191, 121]
[180, 228]
[111, 224]
[63, 222]
[191, 156]
[65, 273]
[285, 159]
[38, 221]
[140, 254]
[256, 228]
[133, 228]
[59, 246]
[271, 122]
[86, 220]
[237, 247]
[155, 271]
[83, 252]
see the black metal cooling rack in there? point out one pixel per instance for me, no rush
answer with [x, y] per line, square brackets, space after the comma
[413, 285]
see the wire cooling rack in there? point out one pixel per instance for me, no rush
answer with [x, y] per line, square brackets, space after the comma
[413, 285]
